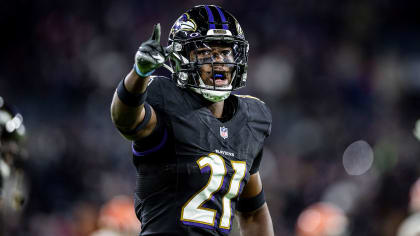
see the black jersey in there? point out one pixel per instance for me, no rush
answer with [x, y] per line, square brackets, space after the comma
[193, 167]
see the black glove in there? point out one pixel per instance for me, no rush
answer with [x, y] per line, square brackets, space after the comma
[151, 54]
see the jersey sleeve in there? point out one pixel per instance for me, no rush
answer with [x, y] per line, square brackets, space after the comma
[260, 116]
[152, 143]
[266, 118]
[256, 164]
[155, 93]
[260, 124]
[158, 138]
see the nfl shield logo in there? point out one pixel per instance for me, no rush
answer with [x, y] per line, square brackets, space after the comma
[224, 132]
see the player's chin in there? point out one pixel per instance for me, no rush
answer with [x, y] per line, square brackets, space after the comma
[218, 83]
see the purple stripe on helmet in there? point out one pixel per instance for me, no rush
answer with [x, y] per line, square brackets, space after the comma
[161, 144]
[222, 16]
[211, 17]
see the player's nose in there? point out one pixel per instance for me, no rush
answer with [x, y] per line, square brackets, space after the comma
[217, 57]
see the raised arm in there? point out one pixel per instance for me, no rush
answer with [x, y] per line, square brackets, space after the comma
[253, 214]
[128, 111]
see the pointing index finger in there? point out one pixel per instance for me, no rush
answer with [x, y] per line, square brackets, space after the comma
[156, 33]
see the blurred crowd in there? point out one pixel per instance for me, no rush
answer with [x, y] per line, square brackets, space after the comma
[342, 79]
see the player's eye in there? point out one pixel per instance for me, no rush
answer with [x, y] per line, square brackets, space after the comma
[226, 52]
[204, 52]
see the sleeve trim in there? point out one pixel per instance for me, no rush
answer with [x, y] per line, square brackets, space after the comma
[152, 150]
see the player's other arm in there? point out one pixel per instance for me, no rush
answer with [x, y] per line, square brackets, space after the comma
[253, 214]
[128, 111]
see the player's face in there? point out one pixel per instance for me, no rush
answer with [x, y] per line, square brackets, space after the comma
[221, 74]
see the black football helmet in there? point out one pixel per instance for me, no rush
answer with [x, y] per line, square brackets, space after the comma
[202, 27]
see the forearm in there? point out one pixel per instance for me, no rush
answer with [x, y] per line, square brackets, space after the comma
[127, 117]
[257, 222]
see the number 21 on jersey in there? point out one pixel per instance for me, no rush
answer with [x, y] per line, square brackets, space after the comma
[193, 210]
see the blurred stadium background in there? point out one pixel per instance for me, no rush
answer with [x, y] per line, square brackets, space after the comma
[342, 79]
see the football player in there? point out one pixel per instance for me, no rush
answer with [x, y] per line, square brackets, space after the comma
[13, 184]
[196, 147]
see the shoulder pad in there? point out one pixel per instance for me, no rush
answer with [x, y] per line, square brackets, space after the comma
[158, 86]
[159, 79]
[259, 113]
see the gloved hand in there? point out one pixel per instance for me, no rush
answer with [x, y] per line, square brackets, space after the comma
[151, 55]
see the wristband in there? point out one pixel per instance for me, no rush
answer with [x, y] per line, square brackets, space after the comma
[252, 203]
[141, 74]
[130, 99]
[143, 123]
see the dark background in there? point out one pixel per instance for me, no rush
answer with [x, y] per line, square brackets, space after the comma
[332, 72]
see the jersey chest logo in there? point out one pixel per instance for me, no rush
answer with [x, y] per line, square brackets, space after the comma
[224, 132]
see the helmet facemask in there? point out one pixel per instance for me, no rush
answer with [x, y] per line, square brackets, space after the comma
[212, 66]
[208, 27]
